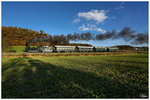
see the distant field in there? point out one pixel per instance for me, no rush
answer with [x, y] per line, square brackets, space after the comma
[17, 49]
[113, 76]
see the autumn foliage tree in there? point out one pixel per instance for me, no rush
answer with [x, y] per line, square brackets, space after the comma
[19, 36]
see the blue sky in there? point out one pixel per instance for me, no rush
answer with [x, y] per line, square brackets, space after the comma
[69, 17]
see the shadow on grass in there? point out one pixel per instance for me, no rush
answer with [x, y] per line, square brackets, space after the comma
[30, 78]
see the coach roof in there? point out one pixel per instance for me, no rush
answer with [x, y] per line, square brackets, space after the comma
[84, 47]
[66, 46]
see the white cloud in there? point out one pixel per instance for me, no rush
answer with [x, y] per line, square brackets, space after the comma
[120, 7]
[97, 15]
[83, 28]
[76, 21]
[100, 30]
[91, 27]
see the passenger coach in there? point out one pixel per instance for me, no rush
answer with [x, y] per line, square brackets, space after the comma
[65, 48]
[84, 49]
[47, 49]
[100, 49]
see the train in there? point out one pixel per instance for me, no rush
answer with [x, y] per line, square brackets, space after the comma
[50, 49]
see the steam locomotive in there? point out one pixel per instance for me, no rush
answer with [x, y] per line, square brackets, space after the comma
[49, 49]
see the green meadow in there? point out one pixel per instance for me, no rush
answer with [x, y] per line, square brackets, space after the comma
[17, 49]
[113, 76]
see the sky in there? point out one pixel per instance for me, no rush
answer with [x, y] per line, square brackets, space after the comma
[58, 18]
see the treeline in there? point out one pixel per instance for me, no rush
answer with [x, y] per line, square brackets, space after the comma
[17, 36]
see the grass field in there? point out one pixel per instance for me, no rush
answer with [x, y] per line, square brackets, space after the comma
[113, 76]
[16, 49]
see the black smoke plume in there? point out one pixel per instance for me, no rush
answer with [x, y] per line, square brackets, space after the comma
[135, 38]
[140, 39]
[127, 34]
[83, 36]
[107, 35]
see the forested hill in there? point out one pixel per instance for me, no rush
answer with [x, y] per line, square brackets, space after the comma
[17, 36]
